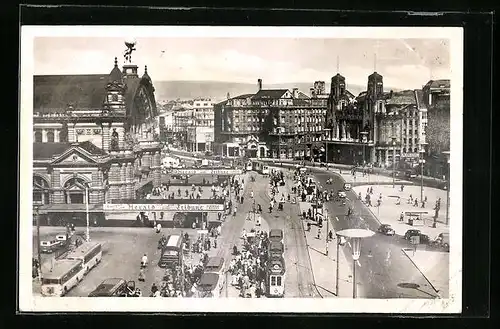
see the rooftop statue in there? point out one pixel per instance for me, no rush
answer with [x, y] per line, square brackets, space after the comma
[130, 48]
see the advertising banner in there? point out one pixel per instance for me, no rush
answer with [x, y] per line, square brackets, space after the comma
[206, 171]
[111, 207]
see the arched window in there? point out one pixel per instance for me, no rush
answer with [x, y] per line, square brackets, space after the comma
[74, 190]
[38, 136]
[40, 190]
[50, 136]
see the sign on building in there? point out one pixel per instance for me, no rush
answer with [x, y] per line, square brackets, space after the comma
[206, 172]
[410, 155]
[188, 207]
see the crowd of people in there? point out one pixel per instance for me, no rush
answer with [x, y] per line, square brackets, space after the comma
[248, 267]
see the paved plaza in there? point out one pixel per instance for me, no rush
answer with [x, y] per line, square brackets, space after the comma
[389, 212]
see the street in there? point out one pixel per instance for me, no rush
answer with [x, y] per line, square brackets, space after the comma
[385, 271]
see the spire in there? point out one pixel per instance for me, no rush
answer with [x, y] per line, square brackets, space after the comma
[146, 75]
[375, 62]
[338, 64]
[115, 74]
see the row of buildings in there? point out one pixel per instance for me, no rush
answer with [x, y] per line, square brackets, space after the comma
[377, 126]
[188, 124]
[98, 138]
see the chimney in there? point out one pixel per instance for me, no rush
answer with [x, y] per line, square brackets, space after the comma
[295, 92]
[390, 94]
[259, 84]
[228, 96]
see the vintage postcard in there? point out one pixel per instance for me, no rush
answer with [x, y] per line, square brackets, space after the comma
[274, 169]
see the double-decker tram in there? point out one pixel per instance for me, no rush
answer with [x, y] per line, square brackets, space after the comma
[275, 282]
[64, 275]
[90, 253]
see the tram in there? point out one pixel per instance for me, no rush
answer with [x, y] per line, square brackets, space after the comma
[275, 277]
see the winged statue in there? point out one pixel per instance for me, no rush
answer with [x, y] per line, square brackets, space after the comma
[130, 48]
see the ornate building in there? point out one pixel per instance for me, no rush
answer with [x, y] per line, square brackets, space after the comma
[377, 127]
[94, 135]
[277, 123]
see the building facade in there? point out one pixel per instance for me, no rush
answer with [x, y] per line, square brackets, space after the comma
[376, 127]
[436, 97]
[277, 123]
[94, 138]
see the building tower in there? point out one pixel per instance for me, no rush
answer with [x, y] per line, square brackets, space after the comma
[336, 101]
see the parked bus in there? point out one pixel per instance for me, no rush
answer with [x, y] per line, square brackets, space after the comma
[172, 251]
[64, 275]
[90, 253]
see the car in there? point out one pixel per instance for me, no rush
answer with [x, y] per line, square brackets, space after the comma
[114, 287]
[424, 239]
[442, 241]
[49, 246]
[342, 194]
[410, 174]
[386, 229]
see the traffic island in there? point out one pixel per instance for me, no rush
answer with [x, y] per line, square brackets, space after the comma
[324, 265]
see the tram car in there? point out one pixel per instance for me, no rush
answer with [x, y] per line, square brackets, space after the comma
[275, 277]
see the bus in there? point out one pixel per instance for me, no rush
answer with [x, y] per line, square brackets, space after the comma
[64, 275]
[90, 253]
[171, 252]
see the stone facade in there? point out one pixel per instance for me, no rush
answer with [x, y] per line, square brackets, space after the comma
[103, 135]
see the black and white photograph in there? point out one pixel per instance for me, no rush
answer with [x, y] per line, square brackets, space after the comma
[273, 169]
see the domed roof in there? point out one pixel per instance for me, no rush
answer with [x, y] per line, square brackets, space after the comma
[375, 75]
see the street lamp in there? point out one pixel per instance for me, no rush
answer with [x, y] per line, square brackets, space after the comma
[355, 235]
[393, 162]
[39, 255]
[447, 155]
[422, 162]
[364, 140]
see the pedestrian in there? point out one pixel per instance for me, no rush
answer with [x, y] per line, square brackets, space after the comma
[319, 234]
[141, 275]
[251, 194]
[215, 242]
[234, 211]
[398, 202]
[401, 217]
[416, 202]
[144, 261]
[330, 235]
[423, 204]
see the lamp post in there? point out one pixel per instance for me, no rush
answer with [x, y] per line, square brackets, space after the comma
[39, 255]
[447, 155]
[422, 161]
[393, 162]
[87, 237]
[364, 140]
[355, 235]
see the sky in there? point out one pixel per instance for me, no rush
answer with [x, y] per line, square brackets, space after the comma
[404, 63]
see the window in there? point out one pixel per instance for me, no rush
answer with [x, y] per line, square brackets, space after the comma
[40, 190]
[278, 281]
[38, 136]
[50, 137]
[114, 98]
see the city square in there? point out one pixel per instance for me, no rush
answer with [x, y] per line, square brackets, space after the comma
[274, 192]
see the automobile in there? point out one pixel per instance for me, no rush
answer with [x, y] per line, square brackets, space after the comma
[342, 194]
[208, 153]
[49, 246]
[410, 174]
[114, 287]
[442, 241]
[386, 229]
[424, 239]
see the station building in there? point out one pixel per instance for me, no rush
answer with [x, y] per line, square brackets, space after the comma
[94, 140]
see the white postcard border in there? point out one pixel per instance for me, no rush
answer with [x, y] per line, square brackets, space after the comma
[29, 303]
